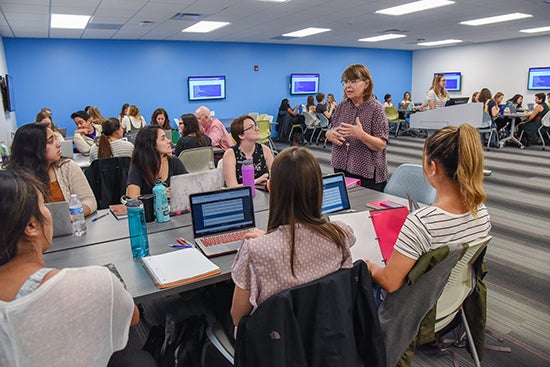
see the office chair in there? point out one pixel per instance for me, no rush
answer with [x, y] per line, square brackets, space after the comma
[488, 128]
[393, 119]
[197, 159]
[254, 115]
[408, 181]
[108, 179]
[312, 124]
[323, 124]
[265, 135]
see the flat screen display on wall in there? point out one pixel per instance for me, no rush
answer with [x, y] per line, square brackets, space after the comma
[453, 81]
[539, 78]
[304, 83]
[206, 87]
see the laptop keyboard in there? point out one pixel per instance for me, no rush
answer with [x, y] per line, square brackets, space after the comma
[223, 238]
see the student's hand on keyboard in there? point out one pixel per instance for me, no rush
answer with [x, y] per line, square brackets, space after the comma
[253, 233]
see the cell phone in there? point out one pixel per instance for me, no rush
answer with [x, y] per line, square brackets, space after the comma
[391, 204]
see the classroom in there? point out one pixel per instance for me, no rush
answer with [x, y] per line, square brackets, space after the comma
[135, 52]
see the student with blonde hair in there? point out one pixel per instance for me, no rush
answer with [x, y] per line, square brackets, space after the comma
[437, 95]
[134, 120]
[453, 164]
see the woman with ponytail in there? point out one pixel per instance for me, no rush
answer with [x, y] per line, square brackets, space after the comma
[453, 164]
[110, 142]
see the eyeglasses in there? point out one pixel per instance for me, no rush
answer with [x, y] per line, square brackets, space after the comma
[353, 82]
[255, 127]
[181, 123]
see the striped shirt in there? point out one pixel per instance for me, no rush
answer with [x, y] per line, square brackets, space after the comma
[431, 227]
[120, 148]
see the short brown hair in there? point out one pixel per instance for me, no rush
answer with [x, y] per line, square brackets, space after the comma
[237, 127]
[358, 71]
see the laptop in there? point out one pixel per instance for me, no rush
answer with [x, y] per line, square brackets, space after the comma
[335, 194]
[131, 136]
[221, 218]
[530, 106]
[61, 218]
[181, 186]
[67, 149]
[512, 109]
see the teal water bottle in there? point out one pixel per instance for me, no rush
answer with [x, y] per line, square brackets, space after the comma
[137, 228]
[162, 211]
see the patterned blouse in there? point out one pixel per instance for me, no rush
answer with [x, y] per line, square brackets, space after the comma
[258, 159]
[262, 264]
[354, 156]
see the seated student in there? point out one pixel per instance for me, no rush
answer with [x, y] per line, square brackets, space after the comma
[191, 134]
[300, 245]
[85, 312]
[287, 117]
[84, 136]
[406, 103]
[95, 115]
[515, 101]
[310, 106]
[45, 118]
[325, 109]
[453, 164]
[36, 149]
[213, 128]
[160, 118]
[387, 101]
[532, 124]
[110, 142]
[134, 120]
[152, 160]
[246, 133]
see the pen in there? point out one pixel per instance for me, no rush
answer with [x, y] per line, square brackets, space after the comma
[101, 216]
[183, 242]
[177, 245]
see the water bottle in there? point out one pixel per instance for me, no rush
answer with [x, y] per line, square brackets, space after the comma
[137, 228]
[300, 109]
[247, 171]
[77, 216]
[162, 211]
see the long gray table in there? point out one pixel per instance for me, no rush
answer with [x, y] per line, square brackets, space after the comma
[110, 229]
[139, 283]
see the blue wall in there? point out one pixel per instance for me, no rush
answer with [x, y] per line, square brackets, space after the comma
[67, 74]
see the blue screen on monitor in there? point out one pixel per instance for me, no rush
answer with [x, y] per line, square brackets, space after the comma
[539, 78]
[206, 87]
[453, 81]
[304, 83]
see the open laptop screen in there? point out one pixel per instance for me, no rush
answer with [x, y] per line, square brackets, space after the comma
[222, 210]
[335, 194]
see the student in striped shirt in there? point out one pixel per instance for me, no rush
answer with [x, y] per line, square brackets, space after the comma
[453, 164]
[110, 142]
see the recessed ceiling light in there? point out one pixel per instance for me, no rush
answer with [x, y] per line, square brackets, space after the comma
[496, 19]
[536, 30]
[437, 43]
[414, 7]
[306, 32]
[68, 21]
[383, 37]
[205, 26]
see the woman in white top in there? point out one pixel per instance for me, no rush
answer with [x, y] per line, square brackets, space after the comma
[110, 142]
[50, 317]
[437, 96]
[453, 164]
[134, 120]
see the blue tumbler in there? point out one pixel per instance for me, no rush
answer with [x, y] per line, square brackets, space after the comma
[137, 228]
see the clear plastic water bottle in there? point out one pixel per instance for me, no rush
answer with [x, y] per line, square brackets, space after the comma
[77, 216]
[137, 228]
[247, 171]
[162, 210]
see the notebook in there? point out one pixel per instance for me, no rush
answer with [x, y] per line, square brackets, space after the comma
[61, 218]
[366, 246]
[119, 211]
[181, 186]
[67, 149]
[335, 194]
[220, 219]
[179, 267]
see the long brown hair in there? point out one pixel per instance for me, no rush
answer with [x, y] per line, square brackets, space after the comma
[146, 157]
[299, 200]
[109, 127]
[190, 126]
[458, 150]
[436, 86]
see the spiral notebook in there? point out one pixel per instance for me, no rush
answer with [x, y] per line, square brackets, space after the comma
[179, 267]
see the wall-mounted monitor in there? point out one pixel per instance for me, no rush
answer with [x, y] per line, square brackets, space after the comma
[539, 78]
[453, 81]
[304, 83]
[206, 87]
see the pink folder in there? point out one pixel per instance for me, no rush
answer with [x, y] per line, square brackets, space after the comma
[387, 224]
[352, 182]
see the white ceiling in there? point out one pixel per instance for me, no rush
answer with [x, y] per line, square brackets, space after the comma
[263, 22]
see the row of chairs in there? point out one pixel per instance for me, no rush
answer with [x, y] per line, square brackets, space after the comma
[315, 122]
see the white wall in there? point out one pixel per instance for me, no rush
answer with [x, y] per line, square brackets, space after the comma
[7, 119]
[500, 66]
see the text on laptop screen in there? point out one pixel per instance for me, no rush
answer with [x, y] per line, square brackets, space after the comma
[335, 196]
[222, 210]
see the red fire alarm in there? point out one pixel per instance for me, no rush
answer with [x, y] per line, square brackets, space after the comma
[256, 68]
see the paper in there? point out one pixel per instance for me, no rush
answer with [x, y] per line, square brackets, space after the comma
[179, 267]
[366, 246]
